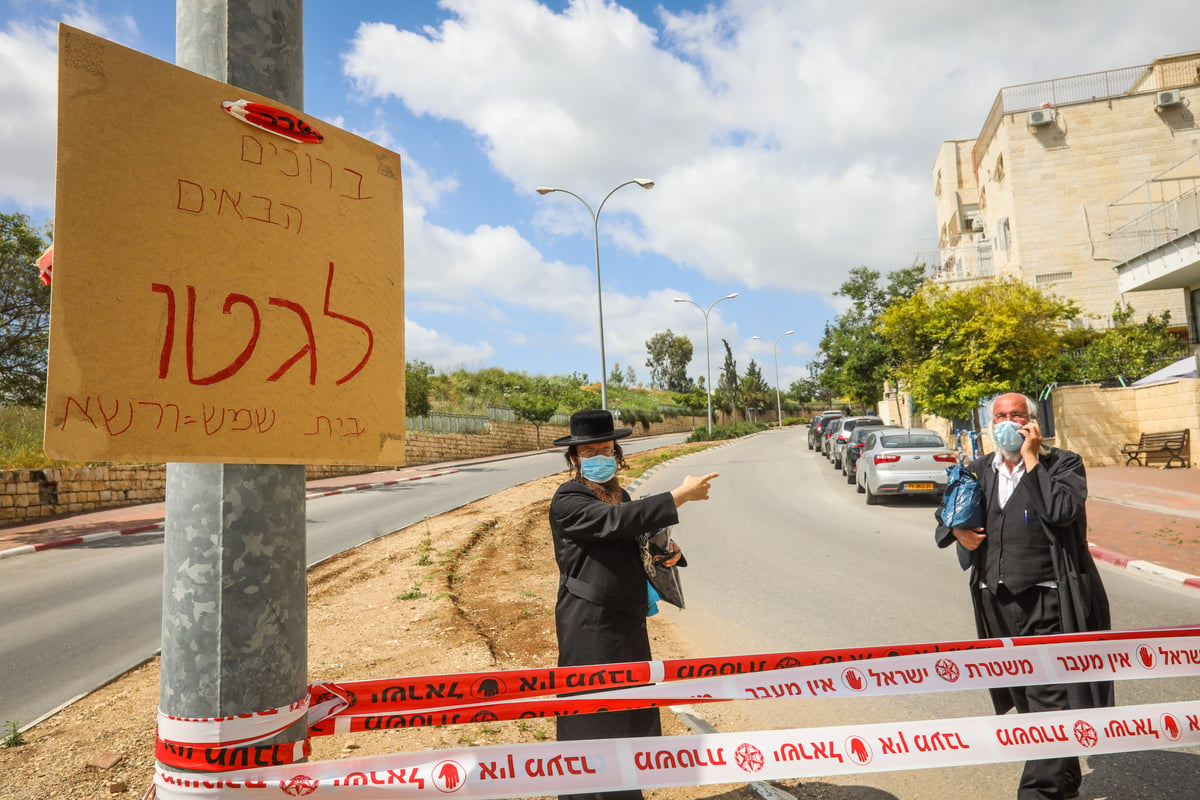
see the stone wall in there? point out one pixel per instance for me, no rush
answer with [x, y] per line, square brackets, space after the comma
[1095, 422]
[29, 495]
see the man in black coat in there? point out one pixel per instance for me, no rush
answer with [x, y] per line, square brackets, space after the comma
[1031, 571]
[600, 613]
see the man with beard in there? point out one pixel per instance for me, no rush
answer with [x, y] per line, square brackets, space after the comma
[603, 600]
[1030, 570]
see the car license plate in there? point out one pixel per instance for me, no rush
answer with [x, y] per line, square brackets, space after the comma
[918, 486]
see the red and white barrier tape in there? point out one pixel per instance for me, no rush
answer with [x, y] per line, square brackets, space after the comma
[552, 768]
[219, 745]
[424, 693]
[1074, 662]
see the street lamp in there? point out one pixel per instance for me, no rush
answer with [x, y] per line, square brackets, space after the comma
[775, 350]
[707, 355]
[645, 183]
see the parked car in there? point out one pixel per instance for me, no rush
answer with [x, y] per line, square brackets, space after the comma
[828, 433]
[841, 435]
[854, 447]
[814, 427]
[822, 427]
[903, 461]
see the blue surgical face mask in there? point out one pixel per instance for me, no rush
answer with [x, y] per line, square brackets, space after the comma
[1008, 436]
[598, 469]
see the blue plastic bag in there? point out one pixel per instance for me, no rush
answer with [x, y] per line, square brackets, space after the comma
[962, 505]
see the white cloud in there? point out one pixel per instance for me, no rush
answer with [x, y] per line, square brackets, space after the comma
[29, 96]
[443, 352]
[791, 141]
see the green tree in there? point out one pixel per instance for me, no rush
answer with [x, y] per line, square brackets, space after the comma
[615, 376]
[955, 347]
[1127, 350]
[728, 384]
[695, 401]
[535, 409]
[803, 391]
[754, 390]
[669, 356]
[418, 377]
[630, 376]
[24, 313]
[855, 361]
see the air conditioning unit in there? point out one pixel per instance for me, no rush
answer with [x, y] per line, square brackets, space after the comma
[1041, 116]
[1167, 98]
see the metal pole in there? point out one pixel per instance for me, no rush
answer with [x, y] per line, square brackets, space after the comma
[600, 309]
[235, 617]
[778, 400]
[775, 352]
[645, 183]
[708, 370]
[707, 349]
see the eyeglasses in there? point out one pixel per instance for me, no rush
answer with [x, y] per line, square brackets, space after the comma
[1016, 415]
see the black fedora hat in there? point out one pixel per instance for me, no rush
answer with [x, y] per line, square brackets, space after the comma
[593, 425]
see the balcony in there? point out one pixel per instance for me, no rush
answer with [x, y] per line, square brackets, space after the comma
[1153, 235]
[964, 263]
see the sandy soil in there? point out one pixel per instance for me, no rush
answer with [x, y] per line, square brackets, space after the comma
[469, 590]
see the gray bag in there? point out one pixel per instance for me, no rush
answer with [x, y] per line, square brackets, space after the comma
[656, 547]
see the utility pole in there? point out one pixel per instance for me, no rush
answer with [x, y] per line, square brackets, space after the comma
[235, 615]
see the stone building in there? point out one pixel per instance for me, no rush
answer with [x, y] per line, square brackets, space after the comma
[1049, 189]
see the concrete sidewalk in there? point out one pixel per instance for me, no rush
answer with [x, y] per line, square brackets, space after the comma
[1139, 518]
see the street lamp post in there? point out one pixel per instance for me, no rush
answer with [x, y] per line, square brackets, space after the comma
[645, 183]
[707, 354]
[775, 351]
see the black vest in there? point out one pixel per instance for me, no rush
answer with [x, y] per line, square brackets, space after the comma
[1016, 551]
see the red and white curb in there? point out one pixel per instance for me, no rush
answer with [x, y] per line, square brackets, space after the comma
[157, 527]
[1144, 567]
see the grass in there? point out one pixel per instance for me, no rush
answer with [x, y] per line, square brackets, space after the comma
[639, 463]
[12, 735]
[21, 439]
[414, 593]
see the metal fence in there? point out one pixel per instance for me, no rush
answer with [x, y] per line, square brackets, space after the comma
[969, 262]
[1074, 89]
[480, 423]
[448, 423]
[1164, 208]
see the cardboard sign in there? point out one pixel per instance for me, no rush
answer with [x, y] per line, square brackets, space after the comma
[228, 279]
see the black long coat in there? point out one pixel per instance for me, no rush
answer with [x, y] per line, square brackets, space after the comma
[1055, 493]
[600, 614]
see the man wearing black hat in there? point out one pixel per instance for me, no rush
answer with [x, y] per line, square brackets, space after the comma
[600, 614]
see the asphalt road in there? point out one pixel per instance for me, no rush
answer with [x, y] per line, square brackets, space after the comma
[786, 556]
[75, 617]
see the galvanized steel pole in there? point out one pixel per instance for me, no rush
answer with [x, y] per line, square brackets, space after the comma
[235, 618]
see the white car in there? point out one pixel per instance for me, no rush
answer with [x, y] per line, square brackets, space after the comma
[903, 461]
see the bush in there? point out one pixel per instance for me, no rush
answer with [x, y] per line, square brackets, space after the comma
[21, 438]
[732, 430]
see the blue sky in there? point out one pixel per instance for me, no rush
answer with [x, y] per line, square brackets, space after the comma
[790, 141]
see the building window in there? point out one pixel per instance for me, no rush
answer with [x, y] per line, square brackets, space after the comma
[998, 171]
[1003, 234]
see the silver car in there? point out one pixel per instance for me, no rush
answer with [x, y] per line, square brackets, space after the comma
[841, 435]
[903, 461]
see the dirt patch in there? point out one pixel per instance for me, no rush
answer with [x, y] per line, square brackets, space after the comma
[465, 591]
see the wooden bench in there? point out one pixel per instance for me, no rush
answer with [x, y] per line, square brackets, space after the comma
[1172, 444]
